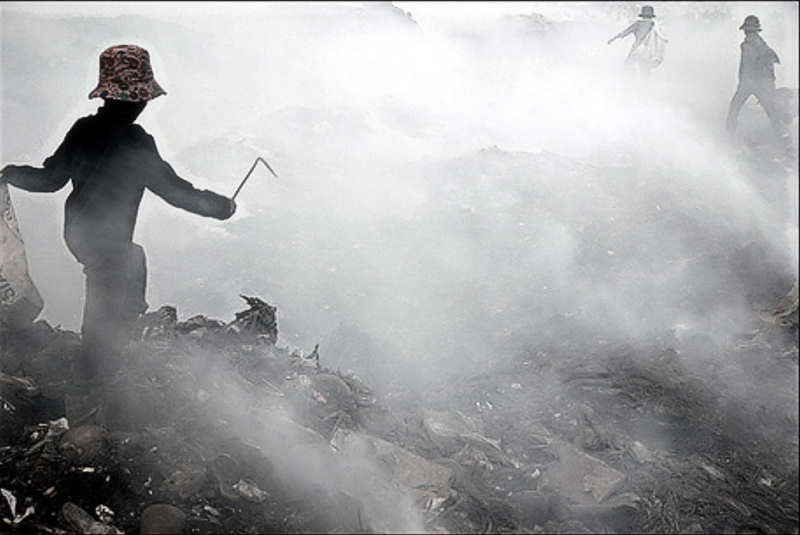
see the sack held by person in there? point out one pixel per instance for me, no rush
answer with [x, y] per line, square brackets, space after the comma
[20, 301]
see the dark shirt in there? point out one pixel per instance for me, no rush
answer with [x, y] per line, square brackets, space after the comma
[111, 163]
[758, 60]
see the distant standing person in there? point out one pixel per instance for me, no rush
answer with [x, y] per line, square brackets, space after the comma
[647, 51]
[111, 160]
[756, 76]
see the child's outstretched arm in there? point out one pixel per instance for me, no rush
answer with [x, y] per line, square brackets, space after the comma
[624, 33]
[31, 178]
[54, 173]
[164, 182]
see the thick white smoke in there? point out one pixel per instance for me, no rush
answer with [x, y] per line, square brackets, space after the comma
[393, 212]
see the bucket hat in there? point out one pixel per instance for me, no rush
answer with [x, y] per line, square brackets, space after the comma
[647, 12]
[751, 23]
[126, 74]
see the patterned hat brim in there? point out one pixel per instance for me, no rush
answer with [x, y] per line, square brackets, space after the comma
[140, 92]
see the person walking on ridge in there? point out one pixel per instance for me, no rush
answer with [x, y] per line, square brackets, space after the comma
[649, 45]
[756, 77]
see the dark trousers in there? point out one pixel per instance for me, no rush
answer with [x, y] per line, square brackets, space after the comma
[764, 91]
[116, 279]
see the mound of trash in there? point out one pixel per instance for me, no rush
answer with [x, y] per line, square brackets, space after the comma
[213, 427]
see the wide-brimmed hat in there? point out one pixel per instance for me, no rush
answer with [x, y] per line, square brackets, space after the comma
[751, 23]
[647, 12]
[126, 74]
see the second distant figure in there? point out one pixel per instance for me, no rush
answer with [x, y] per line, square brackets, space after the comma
[756, 76]
[647, 51]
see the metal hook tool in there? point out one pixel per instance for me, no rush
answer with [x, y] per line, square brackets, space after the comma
[259, 159]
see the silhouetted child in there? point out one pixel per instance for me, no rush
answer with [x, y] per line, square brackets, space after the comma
[111, 160]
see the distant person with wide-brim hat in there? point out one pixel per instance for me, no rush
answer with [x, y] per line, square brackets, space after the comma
[647, 51]
[111, 161]
[756, 76]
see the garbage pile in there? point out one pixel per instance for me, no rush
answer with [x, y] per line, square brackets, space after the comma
[209, 427]
[213, 427]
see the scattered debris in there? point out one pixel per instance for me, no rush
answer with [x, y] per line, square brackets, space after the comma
[162, 518]
[104, 514]
[85, 444]
[12, 504]
[82, 522]
[580, 452]
[581, 477]
[250, 491]
[225, 471]
[454, 424]
[641, 453]
[785, 313]
[259, 320]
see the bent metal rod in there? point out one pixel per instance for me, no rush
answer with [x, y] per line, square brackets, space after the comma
[259, 159]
